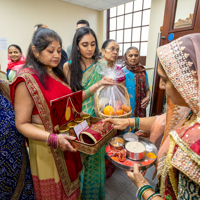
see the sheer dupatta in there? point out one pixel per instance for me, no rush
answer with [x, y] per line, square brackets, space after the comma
[68, 164]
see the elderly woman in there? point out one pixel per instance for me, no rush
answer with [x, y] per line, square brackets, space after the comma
[110, 52]
[16, 60]
[179, 154]
[136, 82]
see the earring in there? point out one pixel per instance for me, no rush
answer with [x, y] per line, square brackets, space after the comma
[37, 59]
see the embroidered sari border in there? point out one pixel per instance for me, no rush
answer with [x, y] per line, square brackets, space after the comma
[185, 147]
[44, 113]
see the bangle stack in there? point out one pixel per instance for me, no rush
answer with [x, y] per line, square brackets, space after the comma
[143, 189]
[137, 123]
[88, 93]
[52, 140]
[154, 195]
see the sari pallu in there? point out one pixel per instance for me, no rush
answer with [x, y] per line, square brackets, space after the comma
[179, 154]
[93, 173]
[136, 84]
[55, 173]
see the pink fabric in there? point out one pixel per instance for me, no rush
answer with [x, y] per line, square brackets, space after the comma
[16, 66]
[123, 78]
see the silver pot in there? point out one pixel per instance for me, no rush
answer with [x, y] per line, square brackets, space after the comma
[117, 143]
[129, 136]
[133, 155]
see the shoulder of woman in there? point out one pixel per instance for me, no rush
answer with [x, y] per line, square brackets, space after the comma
[102, 62]
[66, 66]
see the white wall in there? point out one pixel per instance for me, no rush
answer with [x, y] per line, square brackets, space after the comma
[18, 18]
[156, 21]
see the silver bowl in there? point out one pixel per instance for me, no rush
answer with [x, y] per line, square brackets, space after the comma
[129, 137]
[117, 143]
[135, 155]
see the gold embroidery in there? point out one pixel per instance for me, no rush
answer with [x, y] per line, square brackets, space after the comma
[44, 113]
[168, 170]
[98, 128]
[185, 148]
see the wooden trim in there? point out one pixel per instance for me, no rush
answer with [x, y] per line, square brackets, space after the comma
[108, 23]
[172, 29]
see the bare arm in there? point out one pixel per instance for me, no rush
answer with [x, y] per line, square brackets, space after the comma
[145, 101]
[23, 112]
[138, 179]
[145, 123]
[66, 71]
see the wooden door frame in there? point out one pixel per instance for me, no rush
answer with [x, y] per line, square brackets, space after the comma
[168, 23]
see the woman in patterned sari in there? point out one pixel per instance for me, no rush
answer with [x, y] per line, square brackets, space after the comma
[55, 164]
[179, 154]
[82, 74]
[16, 181]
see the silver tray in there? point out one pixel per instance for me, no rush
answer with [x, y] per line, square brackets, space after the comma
[128, 164]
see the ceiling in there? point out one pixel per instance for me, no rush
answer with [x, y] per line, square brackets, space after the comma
[97, 4]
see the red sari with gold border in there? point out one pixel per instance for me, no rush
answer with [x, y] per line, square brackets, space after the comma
[55, 173]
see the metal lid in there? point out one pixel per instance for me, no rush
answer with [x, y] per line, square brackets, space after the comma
[78, 120]
[63, 129]
[71, 124]
[85, 116]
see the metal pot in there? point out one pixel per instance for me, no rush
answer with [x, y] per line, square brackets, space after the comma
[117, 143]
[129, 137]
[135, 155]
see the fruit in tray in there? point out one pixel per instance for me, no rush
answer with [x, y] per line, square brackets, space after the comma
[109, 110]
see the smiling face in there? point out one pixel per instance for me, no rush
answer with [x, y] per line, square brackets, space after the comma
[87, 46]
[111, 52]
[133, 57]
[166, 84]
[50, 56]
[14, 54]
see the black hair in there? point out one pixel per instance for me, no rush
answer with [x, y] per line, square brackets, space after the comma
[16, 46]
[76, 73]
[38, 25]
[127, 50]
[105, 44]
[42, 38]
[83, 21]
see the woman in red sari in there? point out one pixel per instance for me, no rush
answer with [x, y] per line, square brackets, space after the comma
[55, 164]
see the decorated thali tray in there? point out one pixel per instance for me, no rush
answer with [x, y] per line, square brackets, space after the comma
[150, 156]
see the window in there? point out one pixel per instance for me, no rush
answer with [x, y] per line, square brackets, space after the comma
[128, 24]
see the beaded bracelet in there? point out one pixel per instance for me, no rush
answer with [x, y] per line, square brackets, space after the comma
[154, 195]
[88, 93]
[52, 140]
[142, 189]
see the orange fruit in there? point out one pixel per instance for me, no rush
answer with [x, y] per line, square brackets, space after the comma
[126, 108]
[119, 112]
[109, 110]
